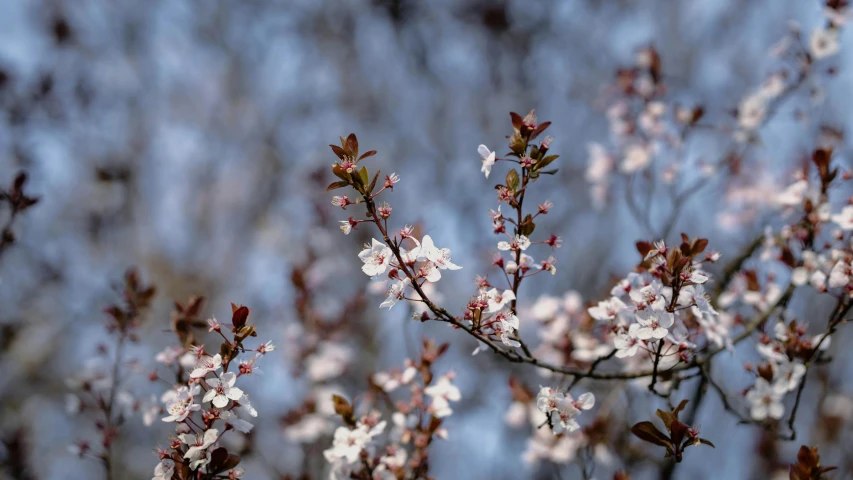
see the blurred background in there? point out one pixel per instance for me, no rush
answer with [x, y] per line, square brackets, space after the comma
[189, 139]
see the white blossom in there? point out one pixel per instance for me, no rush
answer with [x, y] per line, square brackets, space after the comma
[488, 157]
[766, 400]
[222, 389]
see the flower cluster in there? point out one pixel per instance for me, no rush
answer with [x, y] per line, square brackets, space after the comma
[359, 448]
[206, 403]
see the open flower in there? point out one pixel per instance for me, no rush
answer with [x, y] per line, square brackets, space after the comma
[376, 258]
[654, 324]
[205, 365]
[627, 344]
[442, 392]
[440, 257]
[766, 400]
[198, 444]
[395, 293]
[488, 159]
[497, 300]
[222, 389]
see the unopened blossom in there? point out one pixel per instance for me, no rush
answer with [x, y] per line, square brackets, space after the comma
[222, 389]
[519, 242]
[206, 364]
[442, 393]
[396, 293]
[164, 470]
[607, 309]
[627, 344]
[824, 43]
[653, 324]
[766, 400]
[488, 157]
[198, 444]
[545, 207]
[844, 219]
[376, 258]
[497, 299]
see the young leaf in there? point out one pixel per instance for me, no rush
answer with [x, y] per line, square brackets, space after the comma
[647, 431]
[512, 181]
[336, 185]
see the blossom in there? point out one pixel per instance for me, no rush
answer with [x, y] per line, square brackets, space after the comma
[347, 446]
[395, 293]
[376, 258]
[567, 409]
[497, 300]
[839, 276]
[438, 256]
[654, 324]
[390, 381]
[442, 392]
[607, 309]
[248, 367]
[179, 403]
[844, 219]
[824, 43]
[627, 344]
[198, 443]
[205, 365]
[213, 324]
[519, 242]
[222, 389]
[488, 159]
[164, 470]
[766, 400]
[390, 180]
[266, 347]
[508, 324]
[637, 157]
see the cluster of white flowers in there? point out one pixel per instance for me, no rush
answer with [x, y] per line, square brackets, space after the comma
[414, 421]
[348, 445]
[641, 310]
[227, 403]
[562, 406]
[782, 371]
[425, 260]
